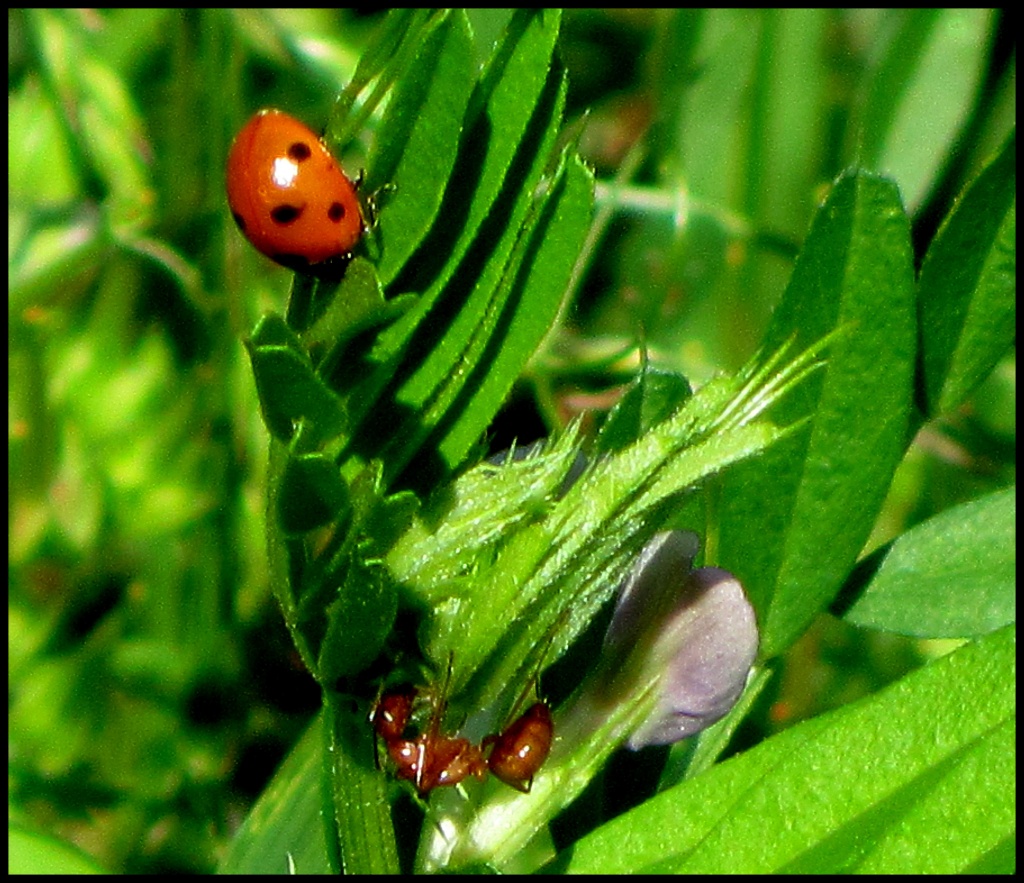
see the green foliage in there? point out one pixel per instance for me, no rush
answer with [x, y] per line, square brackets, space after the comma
[887, 816]
[826, 486]
[855, 473]
[966, 292]
[413, 398]
[918, 584]
[506, 563]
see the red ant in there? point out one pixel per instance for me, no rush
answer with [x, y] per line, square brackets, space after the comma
[520, 750]
[522, 747]
[431, 760]
[391, 712]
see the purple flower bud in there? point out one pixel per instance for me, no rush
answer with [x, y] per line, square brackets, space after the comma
[692, 632]
[652, 587]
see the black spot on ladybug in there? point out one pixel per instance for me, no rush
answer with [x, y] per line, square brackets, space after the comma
[299, 151]
[336, 212]
[239, 220]
[286, 214]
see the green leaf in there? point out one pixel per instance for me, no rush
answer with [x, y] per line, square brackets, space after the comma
[528, 208]
[483, 507]
[503, 105]
[501, 586]
[387, 42]
[284, 831]
[288, 387]
[343, 309]
[312, 493]
[651, 398]
[358, 622]
[793, 522]
[386, 59]
[362, 812]
[445, 366]
[530, 306]
[952, 576]
[31, 852]
[286, 555]
[967, 292]
[921, 93]
[933, 791]
[418, 140]
[422, 361]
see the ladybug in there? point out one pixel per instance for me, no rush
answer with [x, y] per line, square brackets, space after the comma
[289, 196]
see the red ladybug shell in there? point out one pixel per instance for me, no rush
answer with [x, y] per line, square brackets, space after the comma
[288, 194]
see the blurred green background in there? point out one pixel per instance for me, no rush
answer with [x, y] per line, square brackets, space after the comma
[153, 688]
